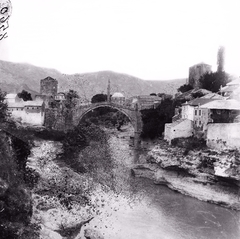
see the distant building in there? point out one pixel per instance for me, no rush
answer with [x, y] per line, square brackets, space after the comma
[195, 72]
[48, 90]
[118, 98]
[60, 96]
[48, 86]
[232, 90]
[142, 102]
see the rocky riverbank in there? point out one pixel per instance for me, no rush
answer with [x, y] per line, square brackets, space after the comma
[61, 197]
[205, 174]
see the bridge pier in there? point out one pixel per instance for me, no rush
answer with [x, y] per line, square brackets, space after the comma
[136, 139]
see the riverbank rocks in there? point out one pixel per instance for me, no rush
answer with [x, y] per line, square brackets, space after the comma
[92, 234]
[3, 187]
[204, 174]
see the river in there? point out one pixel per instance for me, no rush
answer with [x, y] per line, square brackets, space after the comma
[141, 209]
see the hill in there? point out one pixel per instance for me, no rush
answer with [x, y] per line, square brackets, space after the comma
[17, 76]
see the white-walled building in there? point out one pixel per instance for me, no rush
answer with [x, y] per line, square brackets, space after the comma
[118, 98]
[29, 112]
[12, 98]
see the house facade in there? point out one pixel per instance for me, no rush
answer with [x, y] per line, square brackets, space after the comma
[182, 128]
[28, 112]
[142, 102]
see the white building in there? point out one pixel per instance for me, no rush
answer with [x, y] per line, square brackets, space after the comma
[29, 112]
[118, 98]
[12, 98]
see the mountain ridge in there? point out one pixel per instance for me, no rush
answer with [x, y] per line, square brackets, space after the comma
[18, 76]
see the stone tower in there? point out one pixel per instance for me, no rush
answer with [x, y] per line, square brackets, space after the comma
[48, 86]
[195, 72]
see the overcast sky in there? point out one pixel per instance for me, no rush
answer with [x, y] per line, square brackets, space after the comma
[150, 39]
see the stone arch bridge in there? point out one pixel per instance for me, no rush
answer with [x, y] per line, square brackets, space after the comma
[133, 114]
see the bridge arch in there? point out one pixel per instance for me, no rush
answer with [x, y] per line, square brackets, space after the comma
[112, 106]
[134, 115]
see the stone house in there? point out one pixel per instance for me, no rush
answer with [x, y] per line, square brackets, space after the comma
[182, 128]
[118, 98]
[60, 96]
[218, 111]
[222, 136]
[29, 112]
[142, 102]
[232, 90]
[191, 111]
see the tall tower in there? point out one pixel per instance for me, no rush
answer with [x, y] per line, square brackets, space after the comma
[108, 92]
[48, 86]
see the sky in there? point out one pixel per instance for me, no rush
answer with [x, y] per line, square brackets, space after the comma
[149, 39]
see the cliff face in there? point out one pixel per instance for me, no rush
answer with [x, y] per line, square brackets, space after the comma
[15, 197]
[204, 174]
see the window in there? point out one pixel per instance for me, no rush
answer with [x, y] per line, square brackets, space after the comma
[200, 112]
[195, 112]
[200, 122]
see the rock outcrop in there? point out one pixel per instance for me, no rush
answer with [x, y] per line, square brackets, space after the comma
[204, 174]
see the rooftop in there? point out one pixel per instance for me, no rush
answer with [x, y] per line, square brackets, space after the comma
[199, 101]
[117, 95]
[223, 104]
[10, 96]
[201, 63]
[25, 103]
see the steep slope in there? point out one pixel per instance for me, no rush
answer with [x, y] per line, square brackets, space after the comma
[17, 76]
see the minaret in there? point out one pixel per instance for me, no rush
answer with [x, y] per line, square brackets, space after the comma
[108, 92]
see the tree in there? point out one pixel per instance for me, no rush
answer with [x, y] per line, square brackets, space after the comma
[221, 59]
[164, 96]
[71, 97]
[99, 98]
[154, 120]
[184, 88]
[214, 80]
[3, 107]
[25, 95]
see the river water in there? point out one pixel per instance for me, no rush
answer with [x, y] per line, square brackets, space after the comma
[141, 210]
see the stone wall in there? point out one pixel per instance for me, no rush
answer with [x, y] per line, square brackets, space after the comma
[58, 119]
[182, 128]
[33, 117]
[223, 136]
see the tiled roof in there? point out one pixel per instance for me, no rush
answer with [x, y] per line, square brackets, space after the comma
[16, 105]
[11, 96]
[33, 103]
[199, 101]
[213, 96]
[230, 88]
[193, 91]
[25, 103]
[223, 104]
[234, 82]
